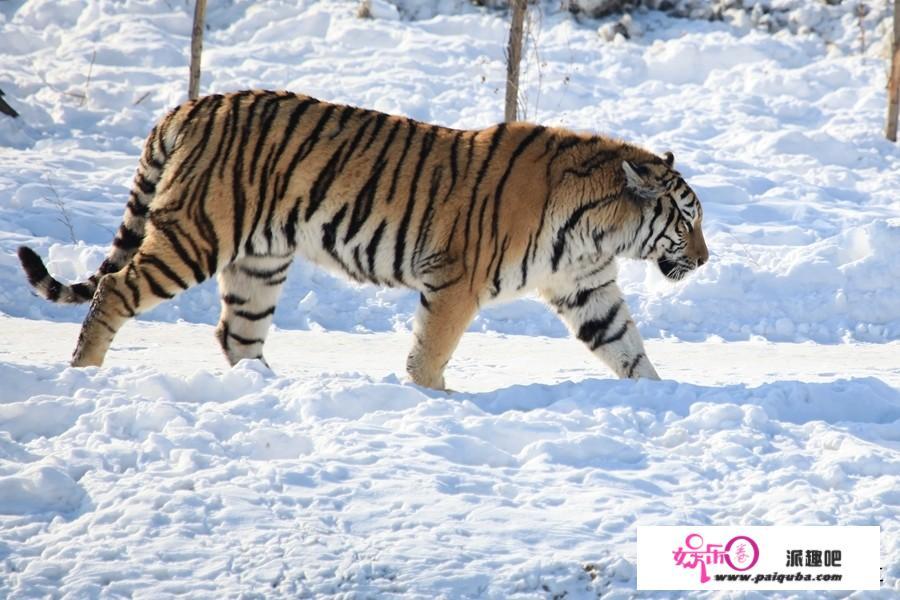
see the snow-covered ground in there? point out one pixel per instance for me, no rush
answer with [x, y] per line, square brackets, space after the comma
[167, 473]
[335, 477]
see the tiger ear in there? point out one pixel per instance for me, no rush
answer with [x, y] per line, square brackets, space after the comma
[669, 158]
[637, 179]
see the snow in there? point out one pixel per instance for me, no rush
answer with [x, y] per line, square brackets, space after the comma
[167, 473]
[781, 138]
[337, 478]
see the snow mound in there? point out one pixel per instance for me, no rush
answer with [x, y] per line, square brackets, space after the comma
[38, 490]
[839, 287]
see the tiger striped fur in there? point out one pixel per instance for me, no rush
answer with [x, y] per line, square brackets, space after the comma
[237, 185]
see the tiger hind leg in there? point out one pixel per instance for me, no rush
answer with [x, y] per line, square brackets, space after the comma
[441, 320]
[249, 290]
[160, 270]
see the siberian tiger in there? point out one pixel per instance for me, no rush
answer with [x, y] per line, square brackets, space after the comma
[237, 185]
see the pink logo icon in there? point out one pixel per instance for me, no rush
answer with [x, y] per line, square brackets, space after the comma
[740, 553]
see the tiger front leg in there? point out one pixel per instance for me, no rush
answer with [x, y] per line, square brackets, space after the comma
[598, 316]
[442, 318]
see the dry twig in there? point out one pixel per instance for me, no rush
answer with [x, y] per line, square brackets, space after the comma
[64, 213]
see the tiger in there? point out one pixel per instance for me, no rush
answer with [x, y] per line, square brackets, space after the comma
[238, 185]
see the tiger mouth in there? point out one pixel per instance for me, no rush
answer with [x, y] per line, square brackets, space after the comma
[672, 269]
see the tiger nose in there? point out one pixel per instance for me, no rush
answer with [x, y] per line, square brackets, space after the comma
[701, 261]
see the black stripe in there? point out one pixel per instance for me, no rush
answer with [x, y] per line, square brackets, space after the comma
[587, 168]
[637, 230]
[265, 274]
[137, 208]
[503, 249]
[354, 143]
[151, 160]
[269, 113]
[438, 287]
[304, 149]
[107, 326]
[495, 141]
[164, 269]
[406, 144]
[199, 196]
[293, 120]
[255, 316]
[509, 167]
[380, 120]
[147, 151]
[200, 146]
[454, 164]
[222, 335]
[357, 261]
[582, 277]
[83, 290]
[594, 329]
[372, 247]
[524, 267]
[127, 239]
[470, 151]
[155, 288]
[634, 364]
[657, 210]
[559, 245]
[290, 225]
[346, 113]
[241, 339]
[160, 139]
[196, 105]
[205, 226]
[145, 185]
[543, 220]
[193, 265]
[323, 182]
[261, 204]
[237, 183]
[400, 248]
[365, 200]
[537, 131]
[452, 235]
[423, 231]
[613, 338]
[478, 240]
[131, 312]
[231, 130]
[232, 299]
[329, 232]
[424, 302]
[131, 284]
[669, 220]
[583, 296]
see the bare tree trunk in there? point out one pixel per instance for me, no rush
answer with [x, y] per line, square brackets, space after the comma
[513, 58]
[890, 128]
[196, 48]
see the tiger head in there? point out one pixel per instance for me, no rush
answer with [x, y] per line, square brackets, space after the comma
[670, 233]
